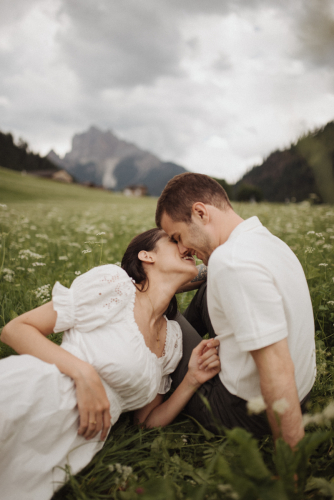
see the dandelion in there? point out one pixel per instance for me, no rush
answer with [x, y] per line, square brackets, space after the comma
[86, 251]
[280, 406]
[256, 405]
[63, 257]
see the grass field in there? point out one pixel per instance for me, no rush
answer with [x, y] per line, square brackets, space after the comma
[51, 232]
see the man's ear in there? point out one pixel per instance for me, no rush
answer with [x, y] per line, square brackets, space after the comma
[146, 257]
[200, 212]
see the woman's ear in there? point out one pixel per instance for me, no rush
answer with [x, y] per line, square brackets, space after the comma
[146, 257]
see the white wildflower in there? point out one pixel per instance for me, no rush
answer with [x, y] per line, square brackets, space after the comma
[309, 250]
[8, 277]
[43, 236]
[323, 264]
[2, 205]
[329, 230]
[20, 268]
[118, 468]
[111, 468]
[63, 257]
[77, 273]
[328, 412]
[86, 251]
[280, 406]
[331, 302]
[99, 234]
[33, 228]
[118, 264]
[319, 235]
[320, 242]
[7, 271]
[310, 232]
[256, 405]
[35, 264]
[43, 292]
[30, 270]
[24, 254]
[74, 244]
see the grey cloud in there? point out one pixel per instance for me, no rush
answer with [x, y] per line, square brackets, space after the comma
[222, 63]
[110, 44]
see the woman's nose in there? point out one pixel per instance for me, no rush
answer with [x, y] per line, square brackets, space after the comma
[182, 249]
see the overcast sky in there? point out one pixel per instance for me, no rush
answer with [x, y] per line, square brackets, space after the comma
[213, 85]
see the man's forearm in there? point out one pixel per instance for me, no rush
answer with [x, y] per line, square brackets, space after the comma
[197, 281]
[277, 380]
[285, 422]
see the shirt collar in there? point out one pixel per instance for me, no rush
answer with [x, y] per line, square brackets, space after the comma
[246, 225]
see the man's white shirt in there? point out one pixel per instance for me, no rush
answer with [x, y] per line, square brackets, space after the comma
[258, 295]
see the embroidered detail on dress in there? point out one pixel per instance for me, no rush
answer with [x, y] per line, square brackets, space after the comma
[118, 291]
[111, 279]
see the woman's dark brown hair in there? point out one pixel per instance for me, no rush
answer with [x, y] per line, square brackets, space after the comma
[146, 241]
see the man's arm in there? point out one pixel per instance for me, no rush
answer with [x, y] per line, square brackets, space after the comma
[277, 380]
[197, 281]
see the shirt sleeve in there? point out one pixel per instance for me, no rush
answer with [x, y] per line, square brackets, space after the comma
[173, 355]
[95, 298]
[252, 304]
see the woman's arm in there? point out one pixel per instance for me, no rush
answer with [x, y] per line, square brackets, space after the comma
[204, 364]
[27, 335]
[197, 281]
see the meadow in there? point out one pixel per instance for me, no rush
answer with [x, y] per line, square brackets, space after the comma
[52, 232]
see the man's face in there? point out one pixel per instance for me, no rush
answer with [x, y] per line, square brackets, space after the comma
[190, 238]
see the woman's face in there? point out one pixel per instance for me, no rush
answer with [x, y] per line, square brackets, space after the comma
[169, 259]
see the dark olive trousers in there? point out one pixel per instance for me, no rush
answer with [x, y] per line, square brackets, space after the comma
[226, 410]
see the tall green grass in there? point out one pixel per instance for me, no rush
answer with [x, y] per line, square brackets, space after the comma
[51, 232]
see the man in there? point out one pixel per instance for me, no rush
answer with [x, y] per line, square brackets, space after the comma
[259, 306]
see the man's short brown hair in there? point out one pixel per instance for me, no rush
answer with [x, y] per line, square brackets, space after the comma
[183, 191]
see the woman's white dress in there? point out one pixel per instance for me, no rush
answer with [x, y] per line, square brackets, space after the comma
[38, 407]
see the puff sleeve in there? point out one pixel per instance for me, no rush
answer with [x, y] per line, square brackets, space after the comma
[173, 355]
[93, 299]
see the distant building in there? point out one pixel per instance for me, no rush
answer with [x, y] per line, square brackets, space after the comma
[136, 190]
[62, 176]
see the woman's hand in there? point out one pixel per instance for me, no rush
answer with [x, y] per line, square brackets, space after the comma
[93, 404]
[204, 362]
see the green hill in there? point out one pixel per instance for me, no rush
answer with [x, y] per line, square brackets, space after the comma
[15, 187]
[304, 169]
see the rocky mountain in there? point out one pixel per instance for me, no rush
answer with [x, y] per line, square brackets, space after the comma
[101, 158]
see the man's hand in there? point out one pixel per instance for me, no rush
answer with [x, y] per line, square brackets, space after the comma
[277, 380]
[93, 404]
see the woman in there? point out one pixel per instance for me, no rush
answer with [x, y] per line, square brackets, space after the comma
[117, 353]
